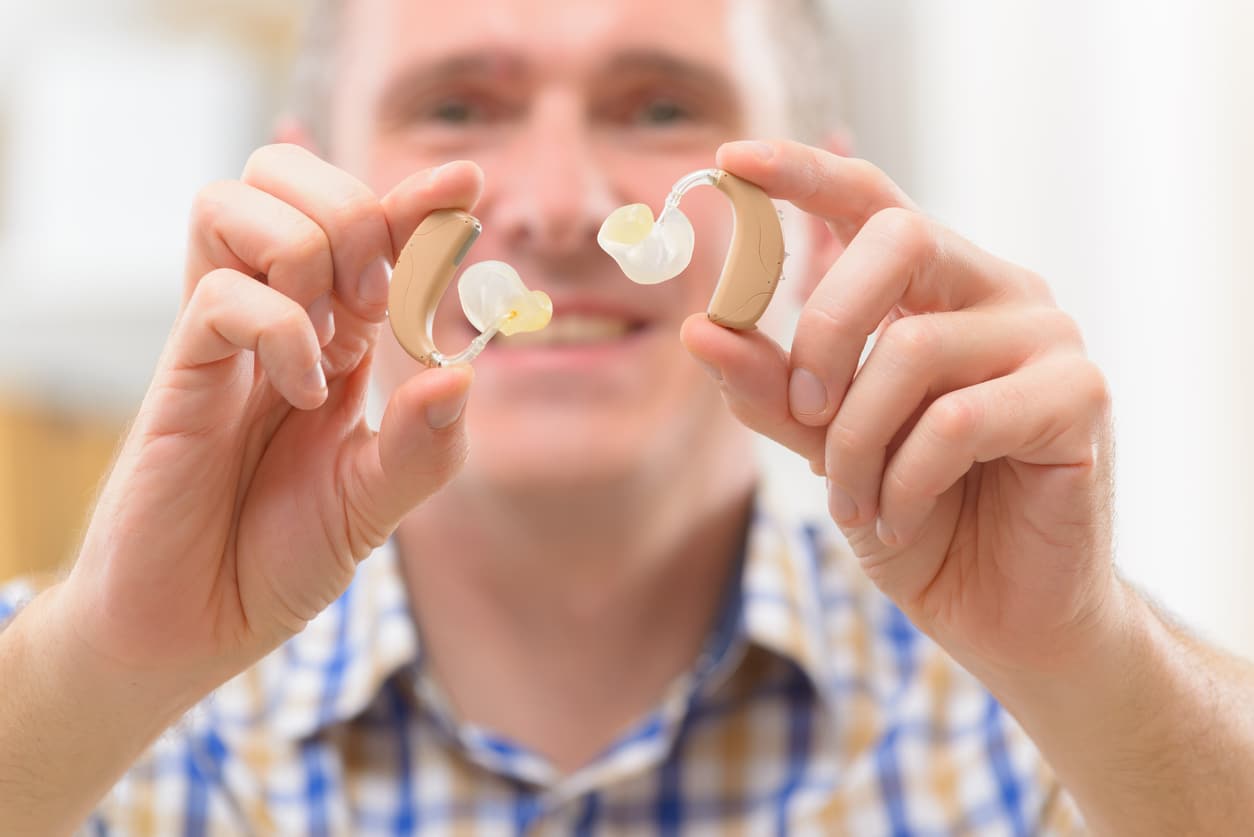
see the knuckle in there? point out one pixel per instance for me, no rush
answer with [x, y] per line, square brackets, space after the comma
[907, 232]
[898, 486]
[1063, 327]
[952, 419]
[307, 244]
[290, 321]
[213, 287]
[270, 157]
[211, 204]
[821, 317]
[1093, 388]
[1037, 287]
[864, 173]
[358, 211]
[912, 342]
[844, 444]
[873, 183]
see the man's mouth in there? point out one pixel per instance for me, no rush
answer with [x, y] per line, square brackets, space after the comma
[575, 329]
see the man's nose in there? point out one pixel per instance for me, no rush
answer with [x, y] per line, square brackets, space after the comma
[551, 195]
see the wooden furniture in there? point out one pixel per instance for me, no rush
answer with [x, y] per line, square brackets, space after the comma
[51, 465]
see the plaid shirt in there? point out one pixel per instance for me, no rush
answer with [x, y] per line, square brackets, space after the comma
[816, 708]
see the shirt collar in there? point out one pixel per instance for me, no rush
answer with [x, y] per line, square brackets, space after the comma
[331, 671]
[334, 669]
[781, 593]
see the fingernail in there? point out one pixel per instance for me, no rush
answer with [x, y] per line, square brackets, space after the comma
[843, 508]
[373, 287]
[315, 379]
[437, 172]
[761, 150]
[712, 370]
[806, 393]
[442, 414]
[322, 315]
[885, 533]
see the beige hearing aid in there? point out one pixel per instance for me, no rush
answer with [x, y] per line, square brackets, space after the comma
[650, 252]
[493, 296]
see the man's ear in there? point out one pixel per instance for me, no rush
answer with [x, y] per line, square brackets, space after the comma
[824, 247]
[290, 130]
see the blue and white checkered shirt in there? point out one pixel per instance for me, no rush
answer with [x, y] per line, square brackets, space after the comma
[817, 708]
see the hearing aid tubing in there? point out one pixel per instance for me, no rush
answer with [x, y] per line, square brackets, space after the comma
[496, 301]
[493, 296]
[755, 255]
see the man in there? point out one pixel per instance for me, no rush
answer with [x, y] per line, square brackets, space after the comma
[587, 624]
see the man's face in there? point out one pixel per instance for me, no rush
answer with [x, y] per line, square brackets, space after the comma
[572, 108]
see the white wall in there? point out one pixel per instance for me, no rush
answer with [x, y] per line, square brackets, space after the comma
[1105, 144]
[1108, 146]
[112, 116]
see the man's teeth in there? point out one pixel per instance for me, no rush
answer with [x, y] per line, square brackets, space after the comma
[573, 329]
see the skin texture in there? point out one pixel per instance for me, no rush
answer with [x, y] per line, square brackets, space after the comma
[538, 554]
[968, 461]
[605, 488]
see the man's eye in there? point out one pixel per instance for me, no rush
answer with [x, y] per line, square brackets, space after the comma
[664, 112]
[453, 112]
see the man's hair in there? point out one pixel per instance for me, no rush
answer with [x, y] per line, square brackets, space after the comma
[802, 39]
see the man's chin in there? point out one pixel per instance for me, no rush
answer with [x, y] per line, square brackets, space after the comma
[570, 468]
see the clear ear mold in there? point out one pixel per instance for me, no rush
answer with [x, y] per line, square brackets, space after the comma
[493, 296]
[650, 251]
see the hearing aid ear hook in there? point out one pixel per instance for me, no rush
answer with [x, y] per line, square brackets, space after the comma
[492, 295]
[650, 252]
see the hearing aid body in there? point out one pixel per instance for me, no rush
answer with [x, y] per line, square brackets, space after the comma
[492, 295]
[651, 252]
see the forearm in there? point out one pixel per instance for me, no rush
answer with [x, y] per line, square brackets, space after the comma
[1151, 733]
[70, 724]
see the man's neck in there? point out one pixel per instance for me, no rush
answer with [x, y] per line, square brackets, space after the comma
[558, 620]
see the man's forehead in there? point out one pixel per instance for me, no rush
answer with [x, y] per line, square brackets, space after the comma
[563, 34]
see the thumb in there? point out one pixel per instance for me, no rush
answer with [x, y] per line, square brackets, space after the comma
[752, 371]
[420, 446]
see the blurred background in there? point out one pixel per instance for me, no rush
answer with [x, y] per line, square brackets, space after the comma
[1108, 145]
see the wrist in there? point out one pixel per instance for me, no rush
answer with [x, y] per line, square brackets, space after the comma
[1116, 717]
[1112, 643]
[59, 635]
[71, 723]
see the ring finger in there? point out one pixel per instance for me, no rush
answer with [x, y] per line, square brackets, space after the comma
[917, 359]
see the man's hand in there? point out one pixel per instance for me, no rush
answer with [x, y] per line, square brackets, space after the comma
[249, 486]
[968, 457]
[969, 463]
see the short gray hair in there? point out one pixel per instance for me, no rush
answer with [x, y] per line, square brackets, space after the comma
[804, 39]
[314, 70]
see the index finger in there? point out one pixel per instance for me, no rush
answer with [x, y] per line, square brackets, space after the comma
[455, 185]
[845, 191]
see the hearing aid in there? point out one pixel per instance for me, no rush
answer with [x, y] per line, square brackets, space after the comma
[651, 251]
[492, 294]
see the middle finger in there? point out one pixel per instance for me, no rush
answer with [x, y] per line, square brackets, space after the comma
[348, 212]
[900, 261]
[916, 360]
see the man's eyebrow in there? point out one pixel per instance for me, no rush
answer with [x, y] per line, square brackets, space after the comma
[672, 66]
[425, 74]
[507, 67]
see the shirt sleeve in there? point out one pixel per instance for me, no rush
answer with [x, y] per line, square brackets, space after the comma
[1060, 816]
[13, 597]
